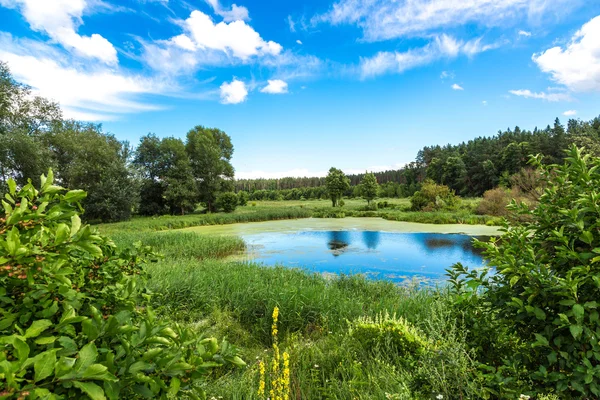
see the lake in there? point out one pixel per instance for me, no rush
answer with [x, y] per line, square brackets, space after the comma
[379, 255]
[375, 247]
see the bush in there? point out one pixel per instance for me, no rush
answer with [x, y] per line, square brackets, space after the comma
[434, 197]
[341, 203]
[546, 286]
[227, 202]
[243, 198]
[75, 319]
[388, 334]
[494, 202]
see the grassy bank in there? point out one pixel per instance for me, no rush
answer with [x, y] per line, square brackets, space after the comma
[193, 285]
[396, 210]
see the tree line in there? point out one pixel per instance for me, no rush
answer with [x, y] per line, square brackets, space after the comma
[159, 176]
[469, 168]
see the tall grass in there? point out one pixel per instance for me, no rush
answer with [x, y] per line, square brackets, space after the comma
[183, 245]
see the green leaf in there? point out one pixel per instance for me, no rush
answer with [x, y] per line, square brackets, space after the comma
[94, 391]
[75, 195]
[12, 187]
[37, 328]
[75, 224]
[139, 366]
[576, 330]
[44, 364]
[45, 340]
[62, 233]
[21, 347]
[578, 312]
[174, 387]
[98, 372]
[87, 355]
[112, 389]
[89, 329]
[540, 340]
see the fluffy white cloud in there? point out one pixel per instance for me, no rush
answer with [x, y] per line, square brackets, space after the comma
[387, 19]
[237, 13]
[233, 92]
[443, 46]
[299, 41]
[524, 33]
[89, 94]
[60, 19]
[456, 86]
[570, 113]
[275, 86]
[528, 94]
[205, 42]
[577, 66]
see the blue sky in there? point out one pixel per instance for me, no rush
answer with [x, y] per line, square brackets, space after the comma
[303, 86]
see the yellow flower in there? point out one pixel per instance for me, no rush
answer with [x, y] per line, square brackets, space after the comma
[261, 384]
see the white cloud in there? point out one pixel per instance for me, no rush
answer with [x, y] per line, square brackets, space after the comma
[291, 23]
[577, 66]
[570, 113]
[524, 33]
[443, 46]
[456, 86]
[233, 92]
[237, 13]
[552, 97]
[484, 102]
[387, 19]
[446, 75]
[276, 86]
[60, 19]
[207, 43]
[91, 94]
[299, 41]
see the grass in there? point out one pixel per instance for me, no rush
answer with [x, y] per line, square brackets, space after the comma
[397, 210]
[195, 286]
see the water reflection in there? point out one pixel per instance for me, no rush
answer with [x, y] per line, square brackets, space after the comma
[398, 256]
[371, 239]
[338, 242]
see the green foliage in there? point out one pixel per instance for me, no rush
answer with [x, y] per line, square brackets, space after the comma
[545, 290]
[494, 202]
[243, 198]
[434, 197]
[369, 187]
[388, 333]
[75, 318]
[337, 183]
[210, 151]
[227, 202]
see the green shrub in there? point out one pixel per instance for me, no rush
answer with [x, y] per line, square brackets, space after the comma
[546, 286]
[243, 198]
[433, 197]
[385, 332]
[74, 314]
[227, 202]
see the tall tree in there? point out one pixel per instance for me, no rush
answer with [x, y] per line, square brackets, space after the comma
[337, 184]
[210, 151]
[180, 187]
[369, 187]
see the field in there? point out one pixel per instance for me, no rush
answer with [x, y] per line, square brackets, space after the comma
[255, 211]
[194, 285]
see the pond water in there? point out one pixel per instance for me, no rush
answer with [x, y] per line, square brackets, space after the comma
[379, 255]
[376, 247]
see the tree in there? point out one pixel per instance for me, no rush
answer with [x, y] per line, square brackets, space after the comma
[24, 118]
[148, 161]
[243, 198]
[180, 191]
[369, 187]
[227, 201]
[337, 183]
[97, 162]
[210, 151]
